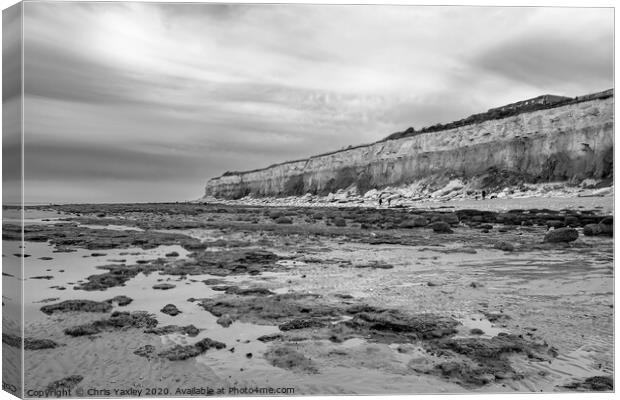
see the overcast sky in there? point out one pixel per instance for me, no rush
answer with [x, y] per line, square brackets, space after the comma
[145, 102]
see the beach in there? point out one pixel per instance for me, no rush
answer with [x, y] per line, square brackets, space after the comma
[182, 298]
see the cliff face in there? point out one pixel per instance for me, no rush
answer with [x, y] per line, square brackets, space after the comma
[566, 143]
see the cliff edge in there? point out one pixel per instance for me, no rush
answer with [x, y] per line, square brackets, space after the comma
[569, 140]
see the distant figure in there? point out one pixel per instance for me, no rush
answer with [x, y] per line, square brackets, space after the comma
[484, 194]
[380, 201]
[389, 201]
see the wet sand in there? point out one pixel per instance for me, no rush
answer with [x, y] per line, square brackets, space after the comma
[351, 301]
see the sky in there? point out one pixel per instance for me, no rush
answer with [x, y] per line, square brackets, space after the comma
[134, 102]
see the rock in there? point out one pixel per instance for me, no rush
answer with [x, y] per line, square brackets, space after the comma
[248, 292]
[178, 352]
[48, 300]
[603, 228]
[288, 358]
[274, 310]
[592, 230]
[213, 281]
[120, 300]
[29, 343]
[269, 338]
[562, 235]
[593, 383]
[284, 220]
[77, 306]
[440, 227]
[117, 320]
[223, 288]
[572, 221]
[171, 310]
[417, 222]
[189, 330]
[486, 359]
[82, 330]
[339, 221]
[373, 265]
[384, 323]
[476, 331]
[163, 286]
[147, 351]
[223, 263]
[225, 320]
[554, 224]
[275, 214]
[494, 317]
[302, 323]
[172, 254]
[607, 226]
[117, 275]
[67, 383]
[449, 218]
[505, 246]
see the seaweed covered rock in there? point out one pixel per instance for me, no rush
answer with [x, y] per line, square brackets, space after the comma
[77, 305]
[339, 221]
[505, 246]
[383, 324]
[146, 351]
[302, 323]
[288, 358]
[179, 352]
[417, 222]
[562, 235]
[225, 321]
[171, 310]
[479, 361]
[248, 292]
[67, 383]
[593, 383]
[603, 228]
[120, 300]
[592, 230]
[29, 343]
[117, 320]
[164, 286]
[278, 308]
[223, 263]
[189, 330]
[117, 275]
[440, 227]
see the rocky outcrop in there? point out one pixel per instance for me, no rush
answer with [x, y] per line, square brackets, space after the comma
[569, 142]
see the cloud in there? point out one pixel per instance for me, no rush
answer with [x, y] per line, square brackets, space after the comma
[157, 95]
[548, 62]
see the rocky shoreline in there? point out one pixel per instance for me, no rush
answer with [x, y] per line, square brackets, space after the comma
[299, 293]
[419, 195]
